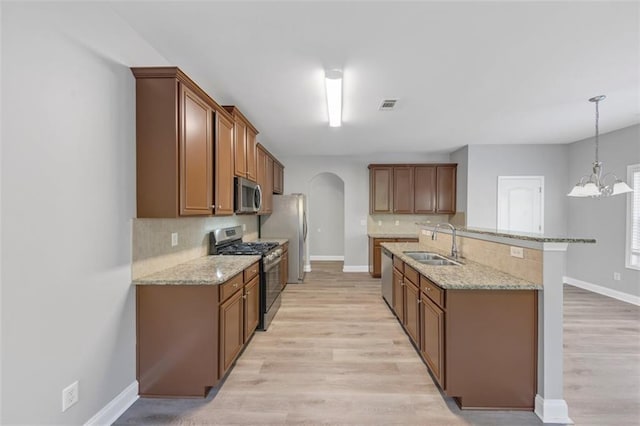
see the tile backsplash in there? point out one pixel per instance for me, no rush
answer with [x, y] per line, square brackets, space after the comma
[152, 250]
[406, 223]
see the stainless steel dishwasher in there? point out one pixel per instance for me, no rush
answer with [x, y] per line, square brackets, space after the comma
[387, 276]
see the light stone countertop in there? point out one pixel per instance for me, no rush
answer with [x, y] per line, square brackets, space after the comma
[389, 235]
[207, 270]
[467, 276]
[280, 241]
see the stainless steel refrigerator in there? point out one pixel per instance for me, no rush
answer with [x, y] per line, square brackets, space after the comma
[289, 220]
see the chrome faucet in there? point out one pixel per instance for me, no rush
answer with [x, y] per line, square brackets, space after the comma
[454, 246]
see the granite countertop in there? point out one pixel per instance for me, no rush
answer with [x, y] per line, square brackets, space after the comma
[391, 235]
[467, 276]
[280, 241]
[207, 270]
[509, 234]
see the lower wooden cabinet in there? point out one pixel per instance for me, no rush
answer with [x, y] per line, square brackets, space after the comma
[231, 330]
[479, 345]
[432, 337]
[251, 307]
[375, 252]
[188, 336]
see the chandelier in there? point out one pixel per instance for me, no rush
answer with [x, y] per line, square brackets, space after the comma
[595, 185]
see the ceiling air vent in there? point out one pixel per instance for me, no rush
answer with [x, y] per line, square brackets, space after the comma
[388, 104]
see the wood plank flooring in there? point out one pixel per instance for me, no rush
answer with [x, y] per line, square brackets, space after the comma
[335, 354]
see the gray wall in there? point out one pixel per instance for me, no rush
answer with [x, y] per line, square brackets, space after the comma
[68, 196]
[602, 219]
[353, 171]
[326, 215]
[487, 162]
[461, 156]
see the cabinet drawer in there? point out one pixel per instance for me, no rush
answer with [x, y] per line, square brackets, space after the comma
[231, 286]
[398, 264]
[411, 275]
[434, 292]
[251, 272]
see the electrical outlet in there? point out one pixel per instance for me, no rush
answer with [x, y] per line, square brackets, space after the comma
[616, 276]
[517, 252]
[70, 396]
[363, 222]
[425, 232]
[397, 222]
[174, 239]
[244, 227]
[379, 223]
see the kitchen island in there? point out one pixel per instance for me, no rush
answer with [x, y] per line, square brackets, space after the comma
[474, 326]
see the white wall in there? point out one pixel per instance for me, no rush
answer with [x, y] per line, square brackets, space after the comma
[461, 157]
[353, 171]
[326, 215]
[68, 197]
[487, 162]
[603, 219]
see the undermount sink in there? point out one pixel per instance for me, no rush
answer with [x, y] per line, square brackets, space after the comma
[428, 258]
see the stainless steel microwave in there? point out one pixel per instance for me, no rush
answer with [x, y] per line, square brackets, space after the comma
[248, 196]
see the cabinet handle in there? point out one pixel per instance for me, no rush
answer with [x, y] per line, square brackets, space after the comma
[419, 301]
[235, 285]
[213, 206]
[244, 296]
[428, 288]
[248, 293]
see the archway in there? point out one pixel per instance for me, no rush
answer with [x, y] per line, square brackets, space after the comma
[326, 217]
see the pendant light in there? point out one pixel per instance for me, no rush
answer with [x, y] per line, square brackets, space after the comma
[594, 185]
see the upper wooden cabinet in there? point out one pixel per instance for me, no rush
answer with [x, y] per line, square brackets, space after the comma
[244, 145]
[412, 188]
[265, 180]
[224, 166]
[176, 137]
[278, 177]
[381, 190]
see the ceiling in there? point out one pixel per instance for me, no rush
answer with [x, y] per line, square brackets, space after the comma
[464, 72]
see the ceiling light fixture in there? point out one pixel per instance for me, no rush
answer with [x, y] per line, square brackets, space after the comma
[594, 185]
[333, 84]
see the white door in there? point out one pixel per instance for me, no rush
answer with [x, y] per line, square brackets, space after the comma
[521, 203]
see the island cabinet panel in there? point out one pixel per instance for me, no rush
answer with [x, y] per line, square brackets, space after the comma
[231, 331]
[223, 167]
[403, 189]
[381, 190]
[424, 183]
[412, 311]
[491, 338]
[177, 339]
[432, 339]
[446, 189]
[398, 294]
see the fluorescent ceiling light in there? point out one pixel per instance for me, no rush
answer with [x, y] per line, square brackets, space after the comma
[333, 84]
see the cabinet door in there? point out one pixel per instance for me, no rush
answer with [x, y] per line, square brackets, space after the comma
[231, 330]
[403, 189]
[251, 306]
[398, 295]
[446, 189]
[278, 181]
[380, 191]
[224, 167]
[261, 168]
[424, 182]
[251, 155]
[267, 194]
[240, 152]
[432, 344]
[412, 311]
[196, 157]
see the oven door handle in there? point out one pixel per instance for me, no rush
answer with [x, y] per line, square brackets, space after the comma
[273, 264]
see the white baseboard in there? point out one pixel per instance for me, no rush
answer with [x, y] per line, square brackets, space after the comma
[114, 409]
[355, 268]
[605, 291]
[325, 258]
[307, 268]
[552, 410]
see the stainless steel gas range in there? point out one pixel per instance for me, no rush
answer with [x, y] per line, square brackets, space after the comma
[228, 241]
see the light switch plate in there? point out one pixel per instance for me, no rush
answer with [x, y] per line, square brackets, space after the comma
[517, 252]
[616, 276]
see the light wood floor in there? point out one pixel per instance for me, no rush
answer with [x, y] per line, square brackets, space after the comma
[335, 354]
